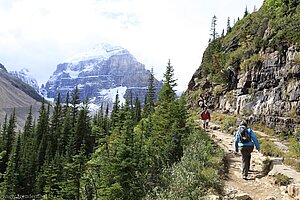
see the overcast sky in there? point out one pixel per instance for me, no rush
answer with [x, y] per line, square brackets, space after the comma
[39, 34]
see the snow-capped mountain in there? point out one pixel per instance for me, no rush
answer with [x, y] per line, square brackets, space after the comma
[100, 52]
[99, 74]
[24, 76]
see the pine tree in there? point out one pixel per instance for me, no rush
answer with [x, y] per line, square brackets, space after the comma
[4, 157]
[246, 13]
[11, 133]
[75, 105]
[137, 110]
[55, 126]
[83, 132]
[254, 8]
[116, 177]
[11, 175]
[72, 173]
[8, 136]
[115, 111]
[228, 29]
[167, 92]
[42, 134]
[150, 97]
[160, 143]
[179, 129]
[213, 34]
[53, 177]
[66, 132]
[125, 165]
[28, 154]
[72, 147]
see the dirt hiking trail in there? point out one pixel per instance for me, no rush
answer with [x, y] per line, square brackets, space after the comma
[260, 185]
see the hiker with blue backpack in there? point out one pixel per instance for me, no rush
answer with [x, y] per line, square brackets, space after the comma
[245, 139]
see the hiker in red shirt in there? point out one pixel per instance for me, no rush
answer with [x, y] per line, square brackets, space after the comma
[205, 117]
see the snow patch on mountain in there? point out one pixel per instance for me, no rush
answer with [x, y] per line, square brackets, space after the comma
[24, 76]
[110, 94]
[101, 51]
[72, 74]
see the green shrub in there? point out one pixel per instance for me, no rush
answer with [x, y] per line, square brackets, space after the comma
[268, 148]
[235, 57]
[263, 128]
[292, 158]
[266, 166]
[230, 97]
[218, 118]
[293, 162]
[198, 171]
[292, 113]
[281, 179]
[251, 63]
[218, 89]
[229, 124]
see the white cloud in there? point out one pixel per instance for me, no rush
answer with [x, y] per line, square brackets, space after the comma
[39, 34]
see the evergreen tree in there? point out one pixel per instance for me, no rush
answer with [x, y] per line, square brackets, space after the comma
[83, 133]
[28, 154]
[228, 29]
[4, 158]
[167, 92]
[55, 126]
[66, 130]
[66, 127]
[53, 178]
[106, 122]
[75, 105]
[11, 175]
[115, 111]
[72, 146]
[66, 106]
[42, 135]
[116, 177]
[137, 110]
[160, 142]
[150, 97]
[213, 34]
[246, 13]
[254, 8]
[8, 136]
[179, 129]
[11, 133]
[126, 165]
[98, 125]
[72, 173]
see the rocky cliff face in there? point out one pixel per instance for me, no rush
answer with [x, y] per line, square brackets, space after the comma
[99, 74]
[254, 71]
[269, 92]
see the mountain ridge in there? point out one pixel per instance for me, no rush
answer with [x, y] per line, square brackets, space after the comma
[17, 95]
[24, 76]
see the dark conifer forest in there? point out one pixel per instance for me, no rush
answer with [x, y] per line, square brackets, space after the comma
[67, 153]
